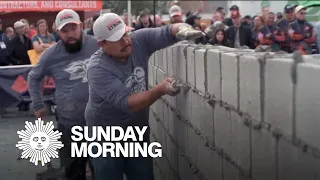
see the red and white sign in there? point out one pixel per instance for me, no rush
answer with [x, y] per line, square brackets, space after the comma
[47, 5]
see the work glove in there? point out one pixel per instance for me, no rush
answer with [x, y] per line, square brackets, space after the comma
[186, 32]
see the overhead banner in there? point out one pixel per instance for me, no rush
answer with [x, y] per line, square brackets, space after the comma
[14, 87]
[47, 5]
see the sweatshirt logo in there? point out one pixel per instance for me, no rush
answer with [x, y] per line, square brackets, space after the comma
[136, 82]
[78, 70]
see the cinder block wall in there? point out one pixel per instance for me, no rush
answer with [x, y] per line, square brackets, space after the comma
[246, 115]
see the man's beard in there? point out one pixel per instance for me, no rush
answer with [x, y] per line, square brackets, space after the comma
[174, 21]
[75, 47]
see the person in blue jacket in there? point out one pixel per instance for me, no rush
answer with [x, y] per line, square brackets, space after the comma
[302, 34]
[270, 34]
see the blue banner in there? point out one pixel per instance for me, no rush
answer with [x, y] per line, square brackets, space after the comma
[14, 87]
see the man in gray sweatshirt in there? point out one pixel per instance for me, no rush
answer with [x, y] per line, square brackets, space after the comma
[118, 91]
[66, 62]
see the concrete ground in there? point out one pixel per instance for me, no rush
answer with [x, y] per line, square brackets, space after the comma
[11, 167]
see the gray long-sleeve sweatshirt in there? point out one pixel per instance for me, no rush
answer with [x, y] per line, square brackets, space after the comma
[112, 82]
[69, 73]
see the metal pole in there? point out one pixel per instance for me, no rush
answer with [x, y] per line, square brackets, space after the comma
[129, 13]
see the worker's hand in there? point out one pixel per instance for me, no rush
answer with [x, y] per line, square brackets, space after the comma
[186, 32]
[167, 87]
[40, 113]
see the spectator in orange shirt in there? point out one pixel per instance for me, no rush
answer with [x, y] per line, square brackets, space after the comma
[28, 31]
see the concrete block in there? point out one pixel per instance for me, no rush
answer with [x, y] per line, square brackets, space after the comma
[317, 166]
[157, 173]
[181, 130]
[160, 76]
[154, 71]
[193, 141]
[227, 49]
[151, 59]
[159, 109]
[174, 175]
[214, 72]
[278, 94]
[164, 60]
[160, 131]
[222, 128]
[233, 136]
[249, 82]
[184, 103]
[156, 59]
[170, 60]
[209, 162]
[263, 155]
[196, 110]
[164, 140]
[294, 164]
[161, 163]
[312, 59]
[206, 118]
[180, 61]
[308, 105]
[170, 146]
[240, 142]
[151, 78]
[152, 139]
[229, 72]
[166, 168]
[230, 172]
[152, 122]
[155, 80]
[191, 78]
[184, 168]
[196, 177]
[244, 176]
[174, 156]
[199, 63]
[175, 55]
[160, 59]
[166, 110]
[172, 122]
[150, 75]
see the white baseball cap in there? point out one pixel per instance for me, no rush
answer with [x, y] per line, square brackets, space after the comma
[110, 27]
[65, 17]
[175, 10]
[299, 8]
[18, 24]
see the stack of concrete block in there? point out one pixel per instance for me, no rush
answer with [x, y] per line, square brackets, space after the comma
[248, 115]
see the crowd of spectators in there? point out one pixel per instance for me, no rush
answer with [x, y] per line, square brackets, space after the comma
[285, 31]
[16, 41]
